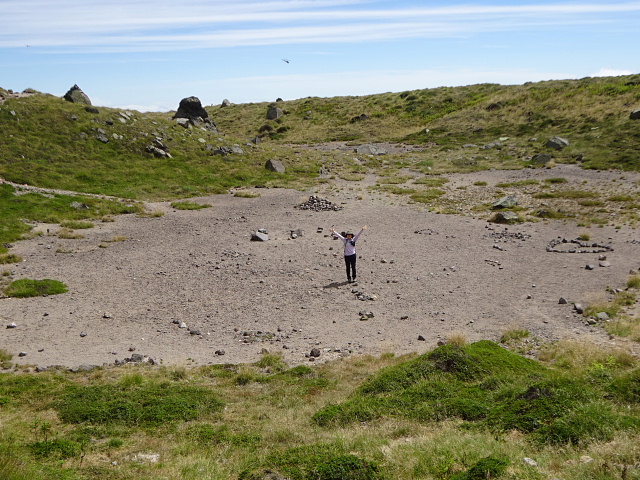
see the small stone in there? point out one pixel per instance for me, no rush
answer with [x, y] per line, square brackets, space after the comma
[194, 331]
[602, 316]
[562, 301]
[22, 354]
[530, 461]
[578, 308]
[590, 267]
[605, 263]
[12, 325]
[106, 315]
[219, 352]
[586, 459]
[315, 352]
[421, 338]
[182, 325]
[83, 334]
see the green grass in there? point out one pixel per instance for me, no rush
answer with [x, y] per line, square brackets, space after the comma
[9, 258]
[34, 288]
[491, 388]
[460, 412]
[187, 205]
[77, 224]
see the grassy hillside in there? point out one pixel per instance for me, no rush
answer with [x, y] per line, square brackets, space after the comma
[459, 412]
[49, 142]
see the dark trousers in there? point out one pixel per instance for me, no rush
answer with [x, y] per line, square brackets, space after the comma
[350, 263]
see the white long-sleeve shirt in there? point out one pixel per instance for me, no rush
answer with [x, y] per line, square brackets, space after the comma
[349, 246]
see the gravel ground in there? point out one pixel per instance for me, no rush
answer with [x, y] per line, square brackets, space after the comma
[421, 275]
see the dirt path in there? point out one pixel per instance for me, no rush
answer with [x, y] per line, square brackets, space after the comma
[431, 276]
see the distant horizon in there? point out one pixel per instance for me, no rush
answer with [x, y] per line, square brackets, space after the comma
[204, 104]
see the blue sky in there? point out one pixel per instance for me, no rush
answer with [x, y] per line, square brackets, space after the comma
[149, 54]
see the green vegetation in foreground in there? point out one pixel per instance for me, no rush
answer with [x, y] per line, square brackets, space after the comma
[34, 288]
[490, 388]
[458, 412]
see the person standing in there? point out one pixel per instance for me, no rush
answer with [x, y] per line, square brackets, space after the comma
[350, 256]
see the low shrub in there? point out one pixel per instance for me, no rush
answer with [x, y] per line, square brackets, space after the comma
[484, 469]
[34, 288]
[145, 405]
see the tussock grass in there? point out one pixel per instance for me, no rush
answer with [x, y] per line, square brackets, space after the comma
[246, 194]
[68, 234]
[187, 205]
[77, 224]
[9, 258]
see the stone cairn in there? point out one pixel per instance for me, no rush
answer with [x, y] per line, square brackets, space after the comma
[318, 204]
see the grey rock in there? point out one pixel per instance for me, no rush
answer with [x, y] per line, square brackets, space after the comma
[259, 237]
[12, 325]
[604, 263]
[541, 159]
[530, 461]
[590, 267]
[506, 217]
[506, 202]
[22, 354]
[83, 334]
[225, 103]
[191, 109]
[275, 166]
[75, 95]
[182, 325]
[183, 122]
[237, 150]
[93, 110]
[195, 331]
[562, 301]
[274, 112]
[602, 316]
[578, 308]
[371, 149]
[315, 352]
[557, 143]
[219, 352]
[101, 137]
[421, 338]
[635, 115]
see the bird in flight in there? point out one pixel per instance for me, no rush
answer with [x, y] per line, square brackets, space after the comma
[285, 60]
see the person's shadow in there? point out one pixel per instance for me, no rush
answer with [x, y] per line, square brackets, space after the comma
[336, 284]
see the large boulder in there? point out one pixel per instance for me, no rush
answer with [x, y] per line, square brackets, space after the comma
[273, 113]
[506, 202]
[371, 149]
[191, 110]
[75, 95]
[557, 143]
[275, 166]
[541, 159]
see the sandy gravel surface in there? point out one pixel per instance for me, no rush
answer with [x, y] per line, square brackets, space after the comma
[432, 276]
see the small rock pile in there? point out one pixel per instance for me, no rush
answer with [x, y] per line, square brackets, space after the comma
[318, 204]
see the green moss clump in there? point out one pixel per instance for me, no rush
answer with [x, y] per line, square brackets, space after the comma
[34, 288]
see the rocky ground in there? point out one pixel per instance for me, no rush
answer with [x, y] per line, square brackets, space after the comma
[192, 287]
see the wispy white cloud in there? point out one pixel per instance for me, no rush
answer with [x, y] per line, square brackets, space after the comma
[143, 25]
[611, 72]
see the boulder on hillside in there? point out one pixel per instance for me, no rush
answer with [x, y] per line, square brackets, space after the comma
[557, 143]
[225, 103]
[274, 112]
[75, 95]
[541, 159]
[635, 115]
[371, 149]
[191, 110]
[275, 166]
